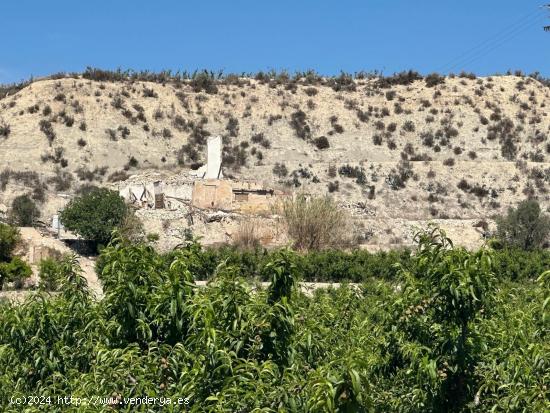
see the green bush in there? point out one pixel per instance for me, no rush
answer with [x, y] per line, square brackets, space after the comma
[24, 211]
[357, 266]
[9, 238]
[50, 274]
[519, 265]
[15, 271]
[524, 227]
[204, 81]
[95, 215]
[434, 79]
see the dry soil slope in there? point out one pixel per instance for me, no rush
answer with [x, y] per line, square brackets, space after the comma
[490, 132]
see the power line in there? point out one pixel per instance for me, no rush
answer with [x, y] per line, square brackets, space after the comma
[489, 44]
[511, 28]
[491, 38]
[495, 45]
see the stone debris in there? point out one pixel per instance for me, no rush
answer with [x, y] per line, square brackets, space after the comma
[201, 189]
[359, 209]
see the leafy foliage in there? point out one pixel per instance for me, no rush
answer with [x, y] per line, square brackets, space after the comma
[434, 328]
[24, 211]
[95, 214]
[9, 238]
[441, 333]
[524, 227]
[50, 273]
[15, 270]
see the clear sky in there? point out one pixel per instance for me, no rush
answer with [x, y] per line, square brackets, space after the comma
[483, 36]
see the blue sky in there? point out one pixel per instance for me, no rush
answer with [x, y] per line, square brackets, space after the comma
[484, 36]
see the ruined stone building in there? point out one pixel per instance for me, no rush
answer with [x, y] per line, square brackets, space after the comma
[238, 196]
[204, 188]
[150, 191]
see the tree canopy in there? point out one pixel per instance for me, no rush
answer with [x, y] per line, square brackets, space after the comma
[95, 214]
[524, 227]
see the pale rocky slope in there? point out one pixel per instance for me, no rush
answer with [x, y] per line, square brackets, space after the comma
[490, 132]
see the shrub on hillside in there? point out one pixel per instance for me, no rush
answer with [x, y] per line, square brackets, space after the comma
[333, 187]
[508, 149]
[101, 75]
[47, 129]
[280, 170]
[409, 126]
[342, 83]
[434, 79]
[397, 178]
[232, 126]
[261, 140]
[310, 91]
[62, 180]
[524, 227]
[4, 130]
[149, 93]
[316, 223]
[321, 142]
[235, 156]
[335, 125]
[299, 124]
[357, 172]
[390, 94]
[24, 211]
[204, 81]
[403, 78]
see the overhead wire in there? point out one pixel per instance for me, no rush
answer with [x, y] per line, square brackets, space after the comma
[495, 45]
[512, 29]
[502, 32]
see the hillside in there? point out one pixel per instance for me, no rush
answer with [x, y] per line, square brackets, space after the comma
[396, 151]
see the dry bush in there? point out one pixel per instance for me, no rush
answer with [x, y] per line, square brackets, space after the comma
[247, 235]
[131, 228]
[4, 130]
[315, 223]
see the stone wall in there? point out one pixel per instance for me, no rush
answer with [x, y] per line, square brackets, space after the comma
[238, 196]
